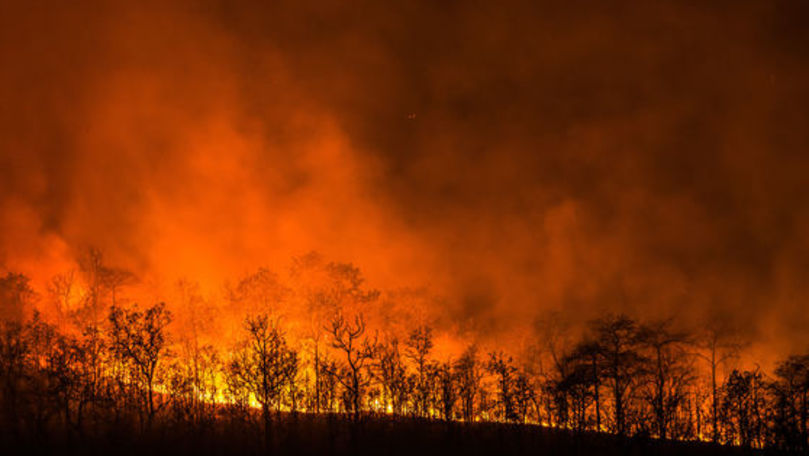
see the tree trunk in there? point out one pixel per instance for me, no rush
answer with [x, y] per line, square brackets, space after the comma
[596, 387]
[356, 398]
[714, 417]
[265, 414]
[317, 379]
[619, 410]
[150, 405]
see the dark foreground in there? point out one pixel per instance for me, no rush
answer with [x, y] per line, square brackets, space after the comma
[335, 435]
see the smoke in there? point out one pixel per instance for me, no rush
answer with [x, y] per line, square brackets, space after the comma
[513, 158]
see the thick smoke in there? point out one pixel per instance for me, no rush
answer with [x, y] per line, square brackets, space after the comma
[513, 157]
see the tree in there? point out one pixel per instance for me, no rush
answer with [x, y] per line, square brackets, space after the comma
[447, 389]
[419, 344]
[741, 407]
[573, 395]
[62, 289]
[14, 358]
[64, 376]
[720, 343]
[263, 364]
[791, 396]
[523, 395]
[328, 382]
[139, 339]
[502, 367]
[669, 371]
[259, 292]
[16, 295]
[554, 333]
[358, 351]
[389, 370]
[101, 281]
[44, 395]
[618, 336]
[588, 355]
[468, 372]
[324, 289]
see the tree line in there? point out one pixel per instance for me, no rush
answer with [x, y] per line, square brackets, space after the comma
[118, 366]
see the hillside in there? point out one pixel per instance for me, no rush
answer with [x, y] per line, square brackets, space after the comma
[307, 434]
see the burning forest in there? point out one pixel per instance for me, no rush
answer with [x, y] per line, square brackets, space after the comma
[427, 227]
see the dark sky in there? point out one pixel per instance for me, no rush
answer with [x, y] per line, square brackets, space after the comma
[517, 156]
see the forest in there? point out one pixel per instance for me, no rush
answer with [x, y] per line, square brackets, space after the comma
[244, 227]
[83, 363]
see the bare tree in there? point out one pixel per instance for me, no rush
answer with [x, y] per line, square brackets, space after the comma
[328, 383]
[259, 292]
[469, 374]
[94, 272]
[62, 289]
[139, 339]
[618, 336]
[324, 288]
[670, 371]
[741, 407]
[791, 403]
[523, 394]
[419, 344]
[502, 367]
[14, 356]
[358, 351]
[555, 336]
[573, 395]
[720, 343]
[16, 295]
[588, 355]
[447, 389]
[389, 370]
[263, 364]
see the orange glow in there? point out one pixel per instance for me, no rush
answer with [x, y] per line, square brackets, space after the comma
[477, 181]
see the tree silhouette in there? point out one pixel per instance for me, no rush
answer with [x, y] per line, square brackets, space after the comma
[14, 356]
[791, 410]
[262, 365]
[390, 371]
[588, 356]
[669, 370]
[720, 343]
[84, 379]
[448, 390]
[16, 295]
[469, 374]
[419, 344]
[138, 338]
[358, 352]
[502, 367]
[740, 408]
[622, 363]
